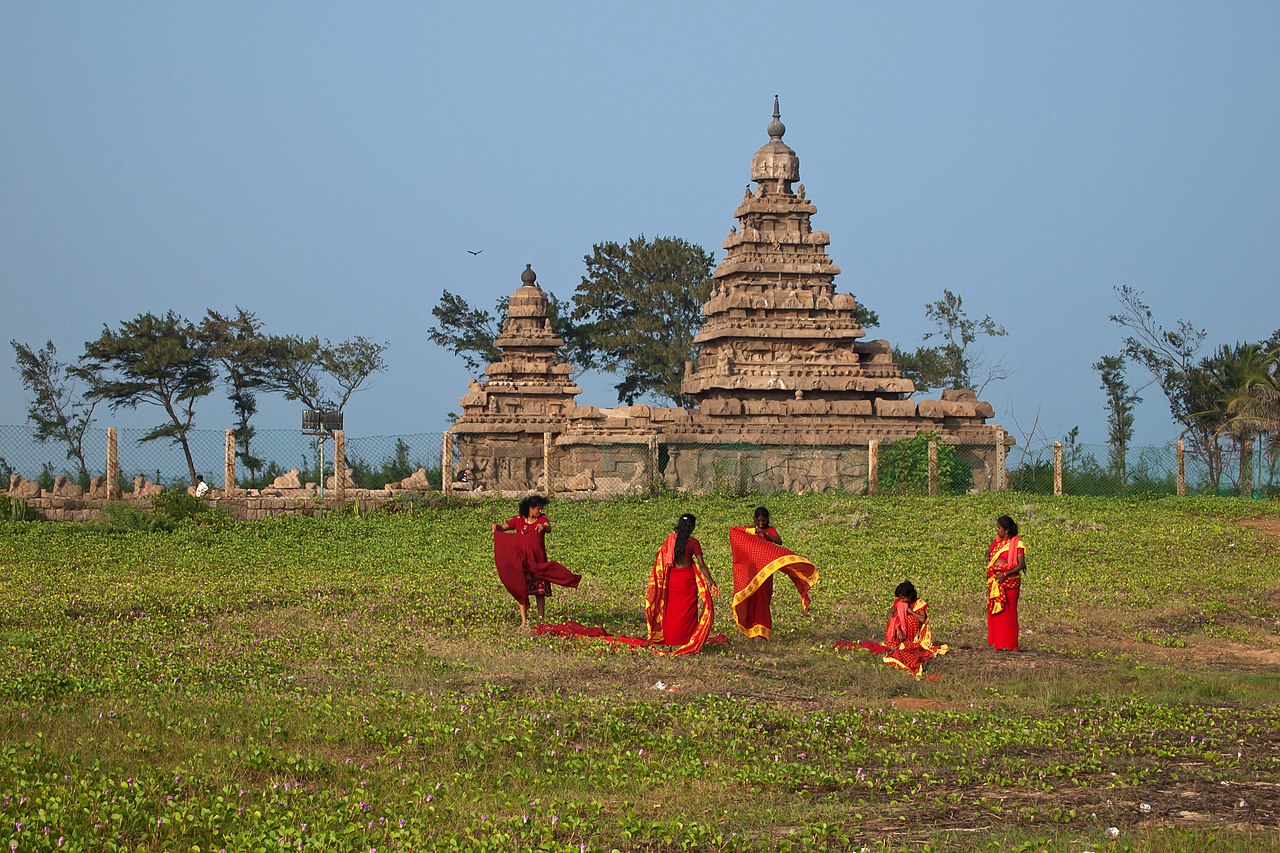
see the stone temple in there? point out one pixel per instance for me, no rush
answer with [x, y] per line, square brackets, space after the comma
[787, 393]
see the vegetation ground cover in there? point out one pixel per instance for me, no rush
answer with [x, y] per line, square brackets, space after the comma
[359, 683]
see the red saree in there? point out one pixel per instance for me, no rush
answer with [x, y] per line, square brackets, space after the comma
[907, 637]
[671, 601]
[522, 557]
[1002, 595]
[755, 561]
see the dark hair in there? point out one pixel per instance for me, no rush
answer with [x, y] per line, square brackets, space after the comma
[759, 512]
[529, 503]
[684, 529]
[906, 590]
[1010, 526]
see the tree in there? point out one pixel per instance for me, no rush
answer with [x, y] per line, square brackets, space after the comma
[470, 332]
[637, 310]
[297, 367]
[955, 362]
[1222, 389]
[1169, 356]
[1120, 404]
[160, 361]
[350, 364]
[58, 409]
[467, 332]
[238, 345]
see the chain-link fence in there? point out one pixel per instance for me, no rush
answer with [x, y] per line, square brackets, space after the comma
[607, 469]
[372, 462]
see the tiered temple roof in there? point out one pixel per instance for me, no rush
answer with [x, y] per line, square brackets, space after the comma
[530, 387]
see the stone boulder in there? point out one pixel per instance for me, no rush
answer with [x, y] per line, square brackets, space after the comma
[23, 489]
[289, 480]
[415, 482]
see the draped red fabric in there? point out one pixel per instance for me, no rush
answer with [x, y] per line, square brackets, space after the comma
[575, 629]
[514, 555]
[1002, 595]
[755, 561]
[669, 600]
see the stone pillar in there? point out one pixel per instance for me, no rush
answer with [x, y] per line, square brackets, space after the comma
[933, 468]
[1002, 476]
[1057, 468]
[1182, 470]
[339, 465]
[229, 470]
[873, 467]
[546, 463]
[113, 465]
[446, 463]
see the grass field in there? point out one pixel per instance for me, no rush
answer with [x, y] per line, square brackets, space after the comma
[361, 683]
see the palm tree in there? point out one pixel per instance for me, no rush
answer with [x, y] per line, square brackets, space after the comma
[1254, 408]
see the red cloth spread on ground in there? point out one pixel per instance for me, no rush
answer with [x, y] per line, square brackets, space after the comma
[515, 555]
[574, 629]
[755, 561]
[1002, 595]
[671, 600]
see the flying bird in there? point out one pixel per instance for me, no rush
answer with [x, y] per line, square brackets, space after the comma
[474, 253]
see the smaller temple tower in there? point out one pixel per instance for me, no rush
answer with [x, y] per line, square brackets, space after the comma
[508, 419]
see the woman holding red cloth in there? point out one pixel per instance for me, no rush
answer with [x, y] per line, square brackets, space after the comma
[907, 633]
[523, 566]
[1006, 559]
[676, 585]
[757, 556]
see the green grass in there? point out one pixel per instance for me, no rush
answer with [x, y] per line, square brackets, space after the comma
[355, 683]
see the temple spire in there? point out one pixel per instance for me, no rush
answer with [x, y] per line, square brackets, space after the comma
[776, 127]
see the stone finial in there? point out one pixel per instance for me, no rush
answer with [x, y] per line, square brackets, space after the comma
[529, 277]
[776, 127]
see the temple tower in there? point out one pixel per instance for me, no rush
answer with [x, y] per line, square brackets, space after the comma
[775, 328]
[527, 395]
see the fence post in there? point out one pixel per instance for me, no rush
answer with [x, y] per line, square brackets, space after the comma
[546, 463]
[933, 468]
[446, 463]
[229, 469]
[113, 465]
[873, 467]
[1002, 476]
[339, 465]
[1246, 466]
[1057, 468]
[1182, 471]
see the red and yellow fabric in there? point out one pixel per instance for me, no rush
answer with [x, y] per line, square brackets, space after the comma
[907, 637]
[1002, 595]
[671, 601]
[755, 561]
[519, 558]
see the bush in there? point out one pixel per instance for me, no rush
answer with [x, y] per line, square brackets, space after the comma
[904, 467]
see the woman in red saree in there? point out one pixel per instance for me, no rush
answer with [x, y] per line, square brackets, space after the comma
[678, 581]
[757, 556]
[1005, 562]
[907, 634]
[522, 564]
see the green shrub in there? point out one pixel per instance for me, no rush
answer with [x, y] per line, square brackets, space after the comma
[904, 467]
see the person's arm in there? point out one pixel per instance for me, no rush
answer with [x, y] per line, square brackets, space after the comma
[772, 535]
[706, 573]
[1017, 568]
[501, 527]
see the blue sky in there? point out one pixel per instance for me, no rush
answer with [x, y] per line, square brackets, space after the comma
[328, 166]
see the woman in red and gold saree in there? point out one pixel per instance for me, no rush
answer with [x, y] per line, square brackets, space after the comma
[907, 634]
[522, 561]
[1005, 562]
[678, 581]
[757, 556]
